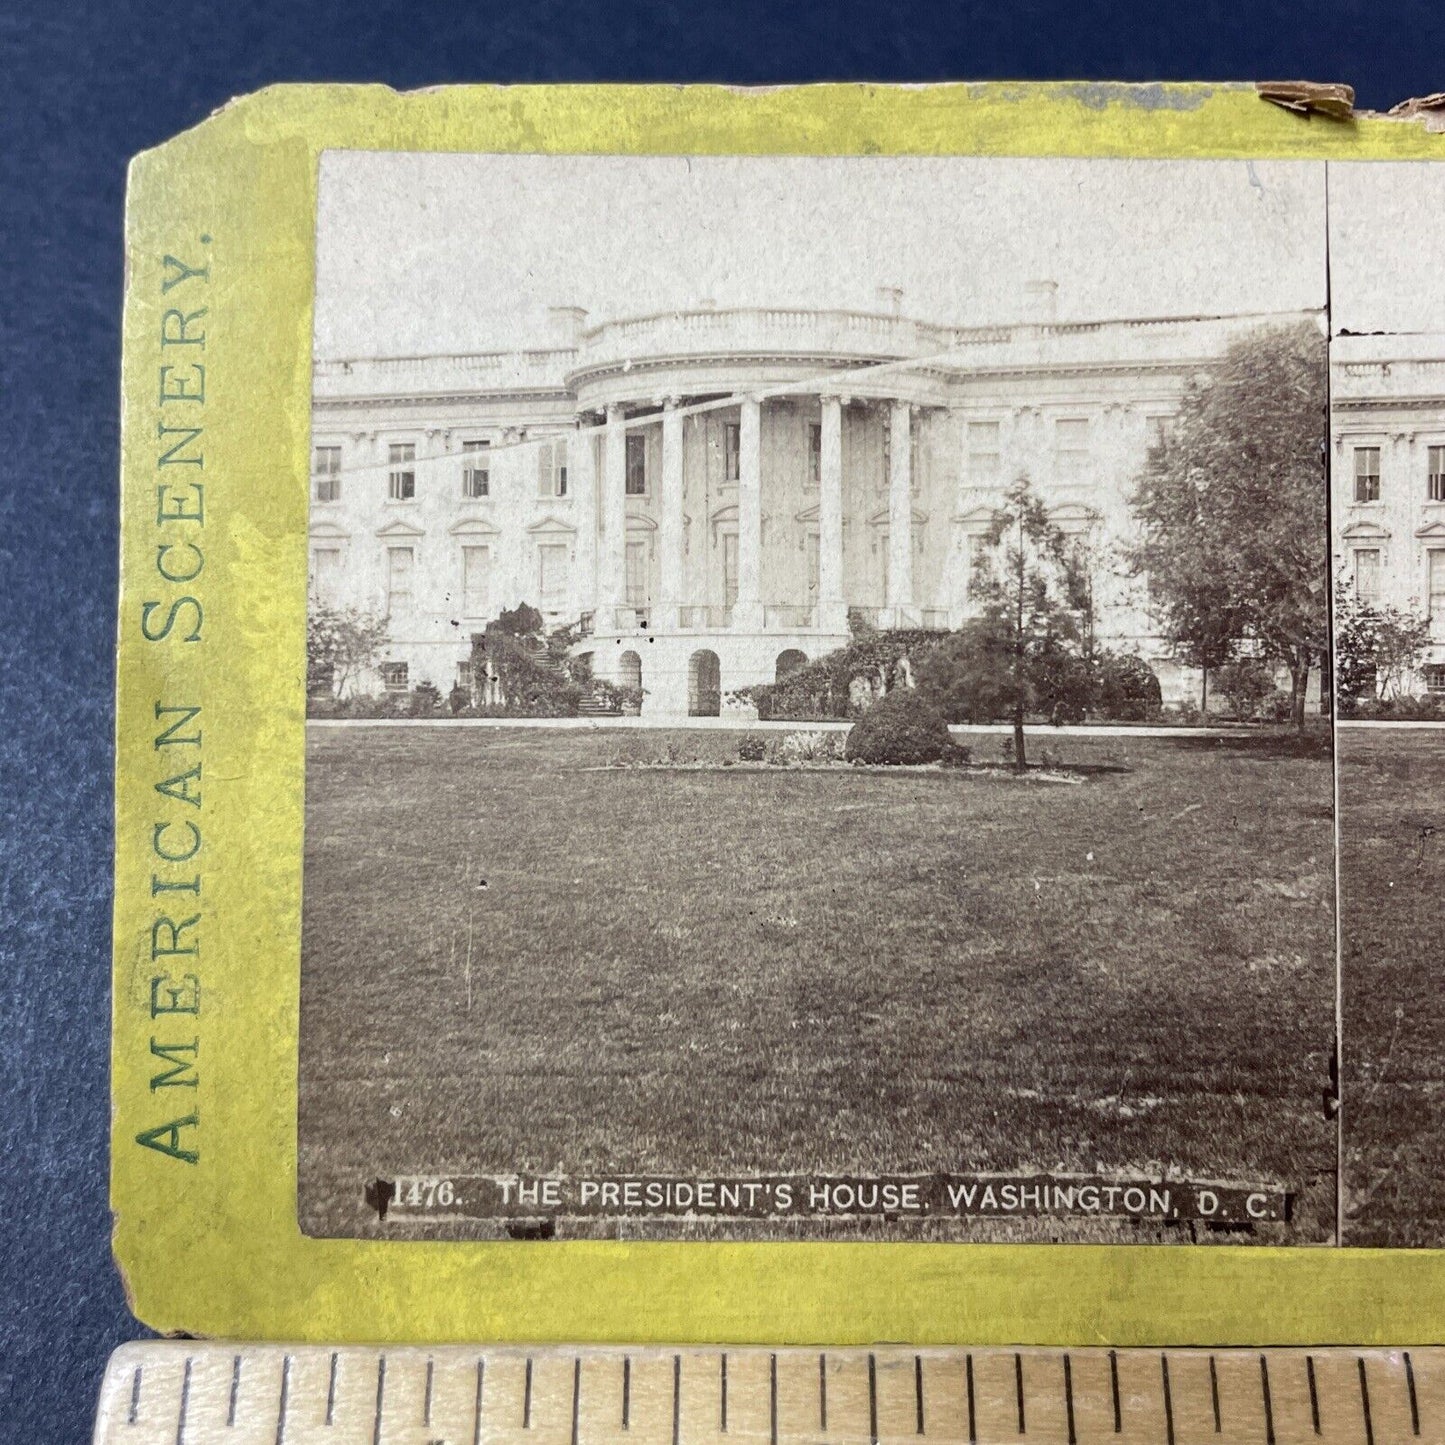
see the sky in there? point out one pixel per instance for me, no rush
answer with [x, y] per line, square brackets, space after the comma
[421, 254]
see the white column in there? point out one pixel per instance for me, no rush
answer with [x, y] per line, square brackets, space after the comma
[582, 481]
[748, 610]
[612, 570]
[900, 513]
[832, 603]
[670, 532]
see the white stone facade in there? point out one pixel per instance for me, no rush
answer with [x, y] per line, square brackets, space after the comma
[1387, 464]
[712, 493]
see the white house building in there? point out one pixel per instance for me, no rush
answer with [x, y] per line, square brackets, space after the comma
[714, 494]
[1387, 418]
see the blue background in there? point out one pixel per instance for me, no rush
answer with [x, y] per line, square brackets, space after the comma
[87, 86]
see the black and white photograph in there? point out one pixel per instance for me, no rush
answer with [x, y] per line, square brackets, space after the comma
[1388, 522]
[818, 697]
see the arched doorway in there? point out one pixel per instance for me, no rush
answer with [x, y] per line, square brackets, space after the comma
[629, 670]
[704, 685]
[790, 659]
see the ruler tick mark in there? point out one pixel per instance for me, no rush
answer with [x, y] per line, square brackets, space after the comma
[426, 1399]
[676, 1398]
[773, 1400]
[1069, 1398]
[627, 1392]
[873, 1400]
[236, 1390]
[1365, 1403]
[823, 1393]
[972, 1418]
[481, 1380]
[1019, 1388]
[918, 1394]
[380, 1398]
[1214, 1395]
[724, 1406]
[185, 1403]
[1414, 1402]
[1268, 1400]
[1114, 1386]
[576, 1394]
[1168, 1399]
[134, 1414]
[285, 1399]
[527, 1396]
[1314, 1393]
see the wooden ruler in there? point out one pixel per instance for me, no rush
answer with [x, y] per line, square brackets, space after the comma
[206, 1393]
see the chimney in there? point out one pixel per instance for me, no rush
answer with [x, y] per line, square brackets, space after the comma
[890, 298]
[567, 322]
[1042, 301]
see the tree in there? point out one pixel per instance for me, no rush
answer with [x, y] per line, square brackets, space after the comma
[341, 644]
[524, 672]
[1376, 648]
[1032, 588]
[1232, 508]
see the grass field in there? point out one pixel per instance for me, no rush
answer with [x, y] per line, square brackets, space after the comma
[1392, 868]
[518, 958]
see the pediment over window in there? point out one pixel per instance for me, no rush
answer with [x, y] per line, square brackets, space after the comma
[639, 522]
[400, 528]
[1430, 532]
[808, 514]
[323, 530]
[1366, 532]
[473, 527]
[881, 517]
[553, 526]
[1073, 517]
[977, 521]
[722, 516]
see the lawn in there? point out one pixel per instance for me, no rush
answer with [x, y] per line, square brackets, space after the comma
[517, 957]
[1392, 831]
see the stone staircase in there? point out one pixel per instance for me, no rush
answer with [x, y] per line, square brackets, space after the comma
[592, 703]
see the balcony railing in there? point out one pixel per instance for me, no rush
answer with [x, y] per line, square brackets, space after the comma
[704, 619]
[789, 617]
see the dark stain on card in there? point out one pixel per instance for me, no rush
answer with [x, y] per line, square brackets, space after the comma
[379, 1194]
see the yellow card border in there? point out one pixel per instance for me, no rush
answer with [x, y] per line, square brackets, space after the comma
[212, 1246]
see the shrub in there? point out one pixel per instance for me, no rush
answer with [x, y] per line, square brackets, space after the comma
[956, 755]
[900, 728]
[810, 747]
[752, 748]
[826, 687]
[423, 700]
[1245, 683]
[966, 676]
[1065, 687]
[1126, 689]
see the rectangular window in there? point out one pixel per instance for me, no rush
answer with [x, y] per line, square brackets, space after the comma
[815, 453]
[325, 570]
[476, 580]
[327, 471]
[636, 465]
[815, 553]
[1435, 677]
[1160, 429]
[1367, 474]
[1437, 474]
[637, 574]
[977, 559]
[552, 468]
[1071, 448]
[1367, 573]
[730, 568]
[394, 676]
[552, 572]
[477, 469]
[400, 564]
[1435, 570]
[983, 452]
[401, 482]
[732, 451]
